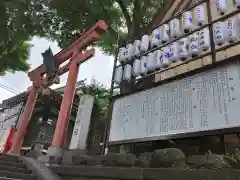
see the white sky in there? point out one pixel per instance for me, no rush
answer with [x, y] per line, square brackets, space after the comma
[99, 67]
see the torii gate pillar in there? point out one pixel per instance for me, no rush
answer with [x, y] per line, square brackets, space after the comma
[75, 53]
[65, 110]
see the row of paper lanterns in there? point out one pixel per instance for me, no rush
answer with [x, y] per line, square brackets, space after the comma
[174, 29]
[186, 48]
[163, 34]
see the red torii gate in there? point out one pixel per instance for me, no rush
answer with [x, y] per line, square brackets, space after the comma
[75, 53]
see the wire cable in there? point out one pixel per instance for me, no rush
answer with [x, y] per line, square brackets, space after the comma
[8, 89]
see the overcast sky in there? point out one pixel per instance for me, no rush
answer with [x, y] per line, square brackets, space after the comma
[99, 67]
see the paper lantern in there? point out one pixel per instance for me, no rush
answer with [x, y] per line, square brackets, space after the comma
[174, 52]
[175, 30]
[166, 57]
[219, 30]
[127, 72]
[136, 46]
[156, 37]
[121, 54]
[232, 29]
[159, 59]
[221, 6]
[187, 21]
[136, 67]
[194, 44]
[165, 33]
[144, 63]
[236, 3]
[200, 17]
[125, 55]
[144, 43]
[204, 39]
[184, 48]
[40, 120]
[118, 75]
[151, 62]
[130, 50]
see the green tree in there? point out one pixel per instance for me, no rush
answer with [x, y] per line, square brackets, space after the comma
[126, 17]
[20, 20]
[101, 95]
[62, 21]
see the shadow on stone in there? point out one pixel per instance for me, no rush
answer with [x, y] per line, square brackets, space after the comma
[110, 160]
[55, 159]
[80, 160]
[70, 155]
[95, 160]
[126, 160]
[144, 160]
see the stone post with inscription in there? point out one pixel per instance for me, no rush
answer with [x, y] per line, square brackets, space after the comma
[82, 123]
[80, 133]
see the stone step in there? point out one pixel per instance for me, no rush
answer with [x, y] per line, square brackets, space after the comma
[12, 164]
[15, 175]
[14, 169]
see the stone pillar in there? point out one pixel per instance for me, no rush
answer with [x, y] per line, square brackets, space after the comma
[77, 147]
[82, 123]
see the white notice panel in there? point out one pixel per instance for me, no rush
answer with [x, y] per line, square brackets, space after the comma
[82, 123]
[206, 101]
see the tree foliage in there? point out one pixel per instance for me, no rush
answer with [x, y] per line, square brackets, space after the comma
[63, 20]
[127, 18]
[20, 20]
[101, 95]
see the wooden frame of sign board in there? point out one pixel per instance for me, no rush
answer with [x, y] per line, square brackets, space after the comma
[235, 59]
[210, 59]
[178, 136]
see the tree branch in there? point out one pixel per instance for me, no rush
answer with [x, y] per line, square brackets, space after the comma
[136, 25]
[125, 13]
[159, 15]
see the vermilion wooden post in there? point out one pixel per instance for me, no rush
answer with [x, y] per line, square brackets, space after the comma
[24, 121]
[65, 110]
